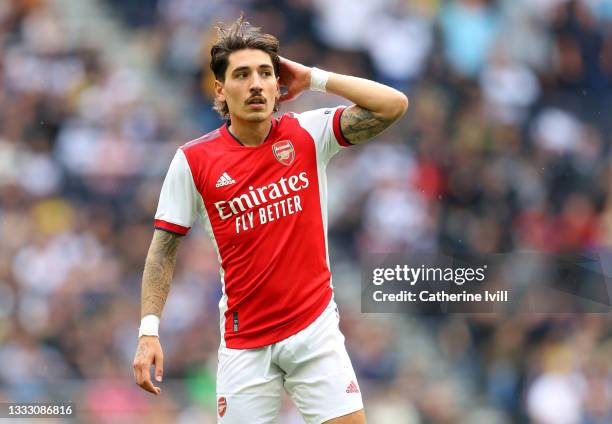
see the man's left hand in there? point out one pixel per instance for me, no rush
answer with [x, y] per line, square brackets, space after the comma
[295, 77]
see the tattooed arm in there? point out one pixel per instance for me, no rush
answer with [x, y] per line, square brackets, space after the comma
[157, 275]
[376, 106]
[359, 124]
[158, 271]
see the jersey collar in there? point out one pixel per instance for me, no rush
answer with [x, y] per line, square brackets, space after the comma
[228, 136]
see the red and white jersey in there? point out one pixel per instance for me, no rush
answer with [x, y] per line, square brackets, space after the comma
[265, 211]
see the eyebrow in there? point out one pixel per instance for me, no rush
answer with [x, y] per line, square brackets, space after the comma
[246, 68]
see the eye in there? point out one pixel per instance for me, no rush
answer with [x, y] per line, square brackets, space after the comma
[267, 73]
[241, 75]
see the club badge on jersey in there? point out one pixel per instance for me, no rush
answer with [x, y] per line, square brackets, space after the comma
[284, 152]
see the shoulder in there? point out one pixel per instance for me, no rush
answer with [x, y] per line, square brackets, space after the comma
[320, 113]
[313, 118]
[202, 141]
[199, 153]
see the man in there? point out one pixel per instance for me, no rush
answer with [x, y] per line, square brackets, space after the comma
[258, 183]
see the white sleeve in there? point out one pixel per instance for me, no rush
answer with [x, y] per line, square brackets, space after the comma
[179, 200]
[324, 127]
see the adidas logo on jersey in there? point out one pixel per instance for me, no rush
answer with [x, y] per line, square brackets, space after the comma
[352, 388]
[224, 180]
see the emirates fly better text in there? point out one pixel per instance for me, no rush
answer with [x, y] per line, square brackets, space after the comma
[268, 203]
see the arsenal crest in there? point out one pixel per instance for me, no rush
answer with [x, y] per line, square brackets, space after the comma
[284, 152]
[221, 406]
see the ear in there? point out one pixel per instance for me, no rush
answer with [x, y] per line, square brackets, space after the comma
[278, 89]
[219, 91]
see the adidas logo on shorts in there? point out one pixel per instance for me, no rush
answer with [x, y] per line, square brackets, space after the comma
[352, 388]
[224, 180]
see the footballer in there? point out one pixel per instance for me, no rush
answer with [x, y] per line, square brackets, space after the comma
[258, 186]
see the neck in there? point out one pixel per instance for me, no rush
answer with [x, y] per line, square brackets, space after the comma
[250, 133]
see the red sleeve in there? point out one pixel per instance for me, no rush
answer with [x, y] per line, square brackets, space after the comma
[173, 228]
[338, 130]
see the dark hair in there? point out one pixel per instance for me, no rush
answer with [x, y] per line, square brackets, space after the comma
[238, 36]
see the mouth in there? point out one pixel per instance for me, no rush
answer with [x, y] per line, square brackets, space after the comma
[256, 102]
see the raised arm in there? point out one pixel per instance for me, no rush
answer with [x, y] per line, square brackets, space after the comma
[376, 106]
[158, 270]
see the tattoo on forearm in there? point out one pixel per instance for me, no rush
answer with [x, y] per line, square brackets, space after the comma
[359, 124]
[158, 271]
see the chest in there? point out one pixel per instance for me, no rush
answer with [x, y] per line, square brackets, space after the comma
[273, 170]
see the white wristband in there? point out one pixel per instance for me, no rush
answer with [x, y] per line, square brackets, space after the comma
[318, 79]
[149, 326]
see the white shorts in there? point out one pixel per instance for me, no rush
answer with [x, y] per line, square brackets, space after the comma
[312, 366]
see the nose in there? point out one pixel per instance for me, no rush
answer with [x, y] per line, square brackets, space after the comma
[256, 83]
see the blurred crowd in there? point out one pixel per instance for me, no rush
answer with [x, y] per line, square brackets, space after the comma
[505, 148]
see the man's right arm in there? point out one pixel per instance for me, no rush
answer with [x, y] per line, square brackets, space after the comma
[159, 267]
[158, 271]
